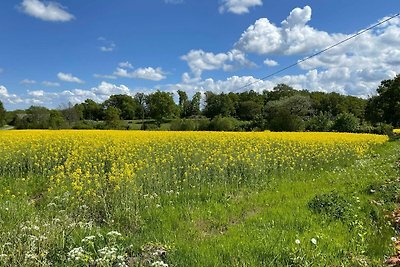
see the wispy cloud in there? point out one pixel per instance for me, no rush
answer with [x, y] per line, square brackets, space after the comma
[106, 45]
[27, 82]
[47, 11]
[174, 2]
[51, 84]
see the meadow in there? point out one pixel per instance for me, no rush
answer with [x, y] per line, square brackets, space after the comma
[131, 198]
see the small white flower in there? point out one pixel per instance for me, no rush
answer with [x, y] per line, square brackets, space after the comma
[314, 241]
[394, 239]
[297, 241]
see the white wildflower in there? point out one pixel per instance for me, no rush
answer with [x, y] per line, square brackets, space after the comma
[297, 241]
[314, 241]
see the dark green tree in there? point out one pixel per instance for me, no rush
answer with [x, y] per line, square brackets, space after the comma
[222, 105]
[161, 105]
[92, 110]
[125, 103]
[346, 122]
[112, 117]
[385, 106]
[56, 119]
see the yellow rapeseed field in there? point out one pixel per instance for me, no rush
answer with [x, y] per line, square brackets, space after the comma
[86, 163]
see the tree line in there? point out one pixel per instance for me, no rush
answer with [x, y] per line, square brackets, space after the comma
[282, 109]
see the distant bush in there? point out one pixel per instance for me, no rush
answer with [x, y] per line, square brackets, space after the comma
[320, 123]
[183, 125]
[223, 124]
[346, 122]
[83, 125]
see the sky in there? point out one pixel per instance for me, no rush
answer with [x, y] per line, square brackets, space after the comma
[56, 52]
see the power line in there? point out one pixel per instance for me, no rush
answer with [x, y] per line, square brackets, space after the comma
[318, 53]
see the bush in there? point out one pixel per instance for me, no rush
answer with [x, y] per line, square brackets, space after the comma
[183, 125]
[223, 124]
[320, 123]
[346, 122]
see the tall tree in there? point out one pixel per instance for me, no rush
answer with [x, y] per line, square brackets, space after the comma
[92, 110]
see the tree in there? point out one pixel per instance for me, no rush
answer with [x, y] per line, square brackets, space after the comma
[72, 113]
[92, 110]
[195, 104]
[248, 110]
[161, 105]
[184, 104]
[2, 115]
[222, 105]
[288, 114]
[140, 99]
[56, 119]
[385, 107]
[112, 117]
[125, 103]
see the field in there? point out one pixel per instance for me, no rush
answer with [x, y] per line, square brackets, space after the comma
[127, 198]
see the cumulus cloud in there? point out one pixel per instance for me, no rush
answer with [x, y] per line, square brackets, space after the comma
[199, 61]
[6, 97]
[47, 11]
[68, 77]
[292, 37]
[27, 82]
[270, 62]
[148, 73]
[238, 6]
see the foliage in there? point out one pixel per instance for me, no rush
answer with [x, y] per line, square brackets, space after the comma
[126, 104]
[320, 123]
[385, 107]
[345, 122]
[161, 105]
[2, 115]
[226, 124]
[112, 117]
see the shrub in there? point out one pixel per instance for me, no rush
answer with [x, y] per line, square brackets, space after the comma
[183, 125]
[346, 122]
[223, 124]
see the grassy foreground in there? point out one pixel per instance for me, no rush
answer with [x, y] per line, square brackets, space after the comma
[189, 199]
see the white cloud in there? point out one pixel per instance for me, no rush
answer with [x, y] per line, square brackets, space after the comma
[27, 82]
[36, 93]
[101, 76]
[6, 97]
[126, 65]
[270, 62]
[238, 6]
[199, 61]
[106, 45]
[68, 77]
[293, 37]
[148, 73]
[51, 84]
[48, 11]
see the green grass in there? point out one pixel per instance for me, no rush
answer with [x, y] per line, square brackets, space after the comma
[217, 225]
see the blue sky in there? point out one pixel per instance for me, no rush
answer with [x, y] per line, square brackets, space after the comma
[53, 52]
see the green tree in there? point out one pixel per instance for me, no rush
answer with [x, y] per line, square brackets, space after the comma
[92, 110]
[2, 115]
[385, 106]
[288, 114]
[125, 103]
[184, 104]
[222, 105]
[161, 105]
[56, 119]
[112, 117]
